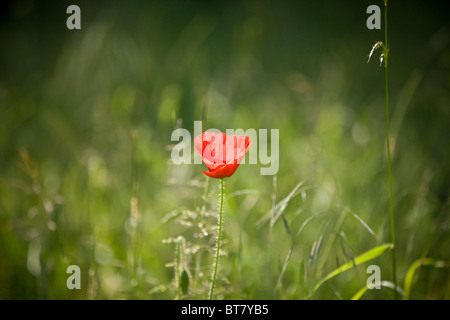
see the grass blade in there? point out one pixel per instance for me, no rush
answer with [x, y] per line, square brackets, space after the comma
[417, 264]
[365, 225]
[366, 256]
[332, 240]
[386, 284]
[279, 208]
[280, 277]
[360, 292]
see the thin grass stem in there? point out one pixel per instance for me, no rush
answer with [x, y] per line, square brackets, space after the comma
[391, 200]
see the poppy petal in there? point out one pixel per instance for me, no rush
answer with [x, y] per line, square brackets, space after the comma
[223, 172]
[221, 153]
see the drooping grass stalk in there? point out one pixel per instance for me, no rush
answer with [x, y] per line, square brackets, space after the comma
[391, 200]
[219, 235]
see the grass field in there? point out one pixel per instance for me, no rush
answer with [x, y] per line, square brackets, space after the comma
[86, 118]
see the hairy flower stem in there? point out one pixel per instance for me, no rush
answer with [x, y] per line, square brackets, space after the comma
[219, 235]
[391, 201]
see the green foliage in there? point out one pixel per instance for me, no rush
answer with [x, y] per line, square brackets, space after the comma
[86, 118]
[366, 256]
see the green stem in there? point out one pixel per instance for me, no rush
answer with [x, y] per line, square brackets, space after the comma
[213, 280]
[178, 266]
[391, 201]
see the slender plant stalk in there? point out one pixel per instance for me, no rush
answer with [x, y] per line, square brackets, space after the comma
[133, 253]
[391, 201]
[213, 280]
[178, 266]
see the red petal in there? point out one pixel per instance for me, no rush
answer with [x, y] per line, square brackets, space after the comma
[221, 153]
[209, 146]
[223, 172]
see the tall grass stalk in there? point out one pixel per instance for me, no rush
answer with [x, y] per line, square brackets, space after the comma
[219, 235]
[391, 201]
[134, 219]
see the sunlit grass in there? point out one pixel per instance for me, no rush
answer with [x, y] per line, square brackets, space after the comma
[86, 176]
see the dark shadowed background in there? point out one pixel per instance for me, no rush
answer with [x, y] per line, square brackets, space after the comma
[86, 118]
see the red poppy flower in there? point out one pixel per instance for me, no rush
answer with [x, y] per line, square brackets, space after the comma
[221, 152]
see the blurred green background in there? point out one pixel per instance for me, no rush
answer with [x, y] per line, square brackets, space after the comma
[86, 118]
